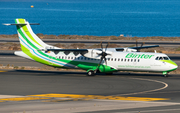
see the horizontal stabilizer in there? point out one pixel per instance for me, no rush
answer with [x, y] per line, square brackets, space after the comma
[7, 24]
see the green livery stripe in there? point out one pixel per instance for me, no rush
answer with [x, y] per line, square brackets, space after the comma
[32, 45]
[38, 59]
[169, 61]
[80, 64]
[24, 37]
[171, 70]
[22, 21]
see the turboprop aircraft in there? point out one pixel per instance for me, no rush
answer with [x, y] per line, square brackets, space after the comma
[104, 60]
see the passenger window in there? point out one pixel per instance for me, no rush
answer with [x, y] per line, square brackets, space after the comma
[128, 60]
[115, 59]
[125, 60]
[111, 59]
[122, 59]
[131, 60]
[62, 57]
[134, 60]
[138, 60]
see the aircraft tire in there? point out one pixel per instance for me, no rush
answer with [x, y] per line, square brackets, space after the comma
[90, 73]
[165, 75]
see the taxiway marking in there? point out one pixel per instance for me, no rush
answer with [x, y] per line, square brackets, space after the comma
[22, 99]
[3, 71]
[76, 96]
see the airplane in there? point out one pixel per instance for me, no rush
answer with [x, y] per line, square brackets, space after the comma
[103, 60]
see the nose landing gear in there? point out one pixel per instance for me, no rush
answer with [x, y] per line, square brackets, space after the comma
[165, 74]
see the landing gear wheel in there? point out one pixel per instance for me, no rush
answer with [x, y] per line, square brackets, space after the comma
[165, 75]
[90, 73]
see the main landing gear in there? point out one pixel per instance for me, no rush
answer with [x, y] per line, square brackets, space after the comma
[91, 73]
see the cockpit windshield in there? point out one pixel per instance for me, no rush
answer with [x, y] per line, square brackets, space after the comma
[162, 58]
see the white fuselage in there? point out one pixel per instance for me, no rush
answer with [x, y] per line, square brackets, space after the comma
[125, 61]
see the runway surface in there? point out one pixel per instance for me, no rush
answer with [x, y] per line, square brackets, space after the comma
[27, 91]
[54, 91]
[122, 42]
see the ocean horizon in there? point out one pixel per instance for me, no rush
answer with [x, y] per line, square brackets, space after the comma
[141, 18]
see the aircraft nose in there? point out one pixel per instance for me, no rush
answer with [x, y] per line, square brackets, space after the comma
[173, 66]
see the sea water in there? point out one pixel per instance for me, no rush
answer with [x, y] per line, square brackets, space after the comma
[94, 17]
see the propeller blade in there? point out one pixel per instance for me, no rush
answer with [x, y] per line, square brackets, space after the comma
[99, 64]
[136, 43]
[103, 55]
[142, 44]
[101, 46]
[106, 46]
[105, 61]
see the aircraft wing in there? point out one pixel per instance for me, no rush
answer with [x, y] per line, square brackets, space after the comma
[139, 47]
[92, 53]
[143, 47]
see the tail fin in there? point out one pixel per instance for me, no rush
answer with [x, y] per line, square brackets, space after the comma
[28, 39]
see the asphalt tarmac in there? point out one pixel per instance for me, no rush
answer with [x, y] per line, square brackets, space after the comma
[56, 92]
[27, 91]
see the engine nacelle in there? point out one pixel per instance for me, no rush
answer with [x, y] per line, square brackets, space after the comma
[94, 53]
[129, 50]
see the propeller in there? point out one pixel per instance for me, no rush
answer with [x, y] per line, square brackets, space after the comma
[103, 55]
[138, 49]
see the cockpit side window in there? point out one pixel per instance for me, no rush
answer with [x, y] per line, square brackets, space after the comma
[157, 58]
[161, 58]
[166, 58]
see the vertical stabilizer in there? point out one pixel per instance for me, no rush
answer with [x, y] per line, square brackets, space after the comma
[28, 39]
